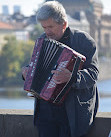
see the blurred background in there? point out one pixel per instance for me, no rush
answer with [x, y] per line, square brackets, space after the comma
[19, 30]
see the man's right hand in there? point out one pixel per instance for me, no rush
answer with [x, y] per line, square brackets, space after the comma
[24, 72]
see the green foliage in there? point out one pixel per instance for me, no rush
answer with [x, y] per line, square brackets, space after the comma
[14, 55]
[37, 31]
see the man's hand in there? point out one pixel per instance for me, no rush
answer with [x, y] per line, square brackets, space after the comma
[61, 76]
[24, 72]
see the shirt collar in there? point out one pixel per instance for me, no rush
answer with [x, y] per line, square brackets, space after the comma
[65, 35]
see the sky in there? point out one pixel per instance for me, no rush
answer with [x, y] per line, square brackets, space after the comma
[28, 6]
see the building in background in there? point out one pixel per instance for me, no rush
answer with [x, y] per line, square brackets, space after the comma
[5, 30]
[99, 24]
[5, 10]
[79, 23]
[16, 9]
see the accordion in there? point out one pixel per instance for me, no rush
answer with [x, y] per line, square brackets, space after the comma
[48, 55]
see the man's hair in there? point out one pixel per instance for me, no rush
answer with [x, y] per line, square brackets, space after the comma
[52, 9]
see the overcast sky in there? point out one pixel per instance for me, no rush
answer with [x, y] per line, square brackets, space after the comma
[28, 6]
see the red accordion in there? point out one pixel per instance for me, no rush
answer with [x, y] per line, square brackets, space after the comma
[49, 55]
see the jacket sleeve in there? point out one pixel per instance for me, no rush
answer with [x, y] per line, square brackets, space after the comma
[88, 76]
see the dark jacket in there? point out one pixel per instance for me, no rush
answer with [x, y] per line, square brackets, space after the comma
[82, 100]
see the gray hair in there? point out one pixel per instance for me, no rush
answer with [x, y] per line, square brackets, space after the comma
[52, 9]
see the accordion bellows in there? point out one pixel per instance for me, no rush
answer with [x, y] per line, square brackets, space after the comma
[49, 55]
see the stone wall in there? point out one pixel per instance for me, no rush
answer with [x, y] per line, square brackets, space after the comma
[19, 123]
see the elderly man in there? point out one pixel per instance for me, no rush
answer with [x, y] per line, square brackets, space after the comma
[75, 115]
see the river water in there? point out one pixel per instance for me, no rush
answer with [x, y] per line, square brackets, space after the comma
[21, 101]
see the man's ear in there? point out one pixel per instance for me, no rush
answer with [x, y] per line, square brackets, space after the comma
[64, 25]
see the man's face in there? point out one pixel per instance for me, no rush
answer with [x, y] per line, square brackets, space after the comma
[52, 29]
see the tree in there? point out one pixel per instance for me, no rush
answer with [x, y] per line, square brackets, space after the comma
[37, 31]
[13, 56]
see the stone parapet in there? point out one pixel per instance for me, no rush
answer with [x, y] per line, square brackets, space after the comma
[19, 123]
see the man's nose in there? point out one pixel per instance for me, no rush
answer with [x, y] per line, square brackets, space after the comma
[48, 31]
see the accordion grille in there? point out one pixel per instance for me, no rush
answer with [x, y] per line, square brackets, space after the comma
[48, 57]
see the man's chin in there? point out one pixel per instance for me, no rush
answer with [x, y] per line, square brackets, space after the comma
[51, 37]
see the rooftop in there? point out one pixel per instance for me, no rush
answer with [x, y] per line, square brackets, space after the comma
[5, 26]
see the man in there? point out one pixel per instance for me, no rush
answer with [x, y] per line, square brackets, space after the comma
[75, 116]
